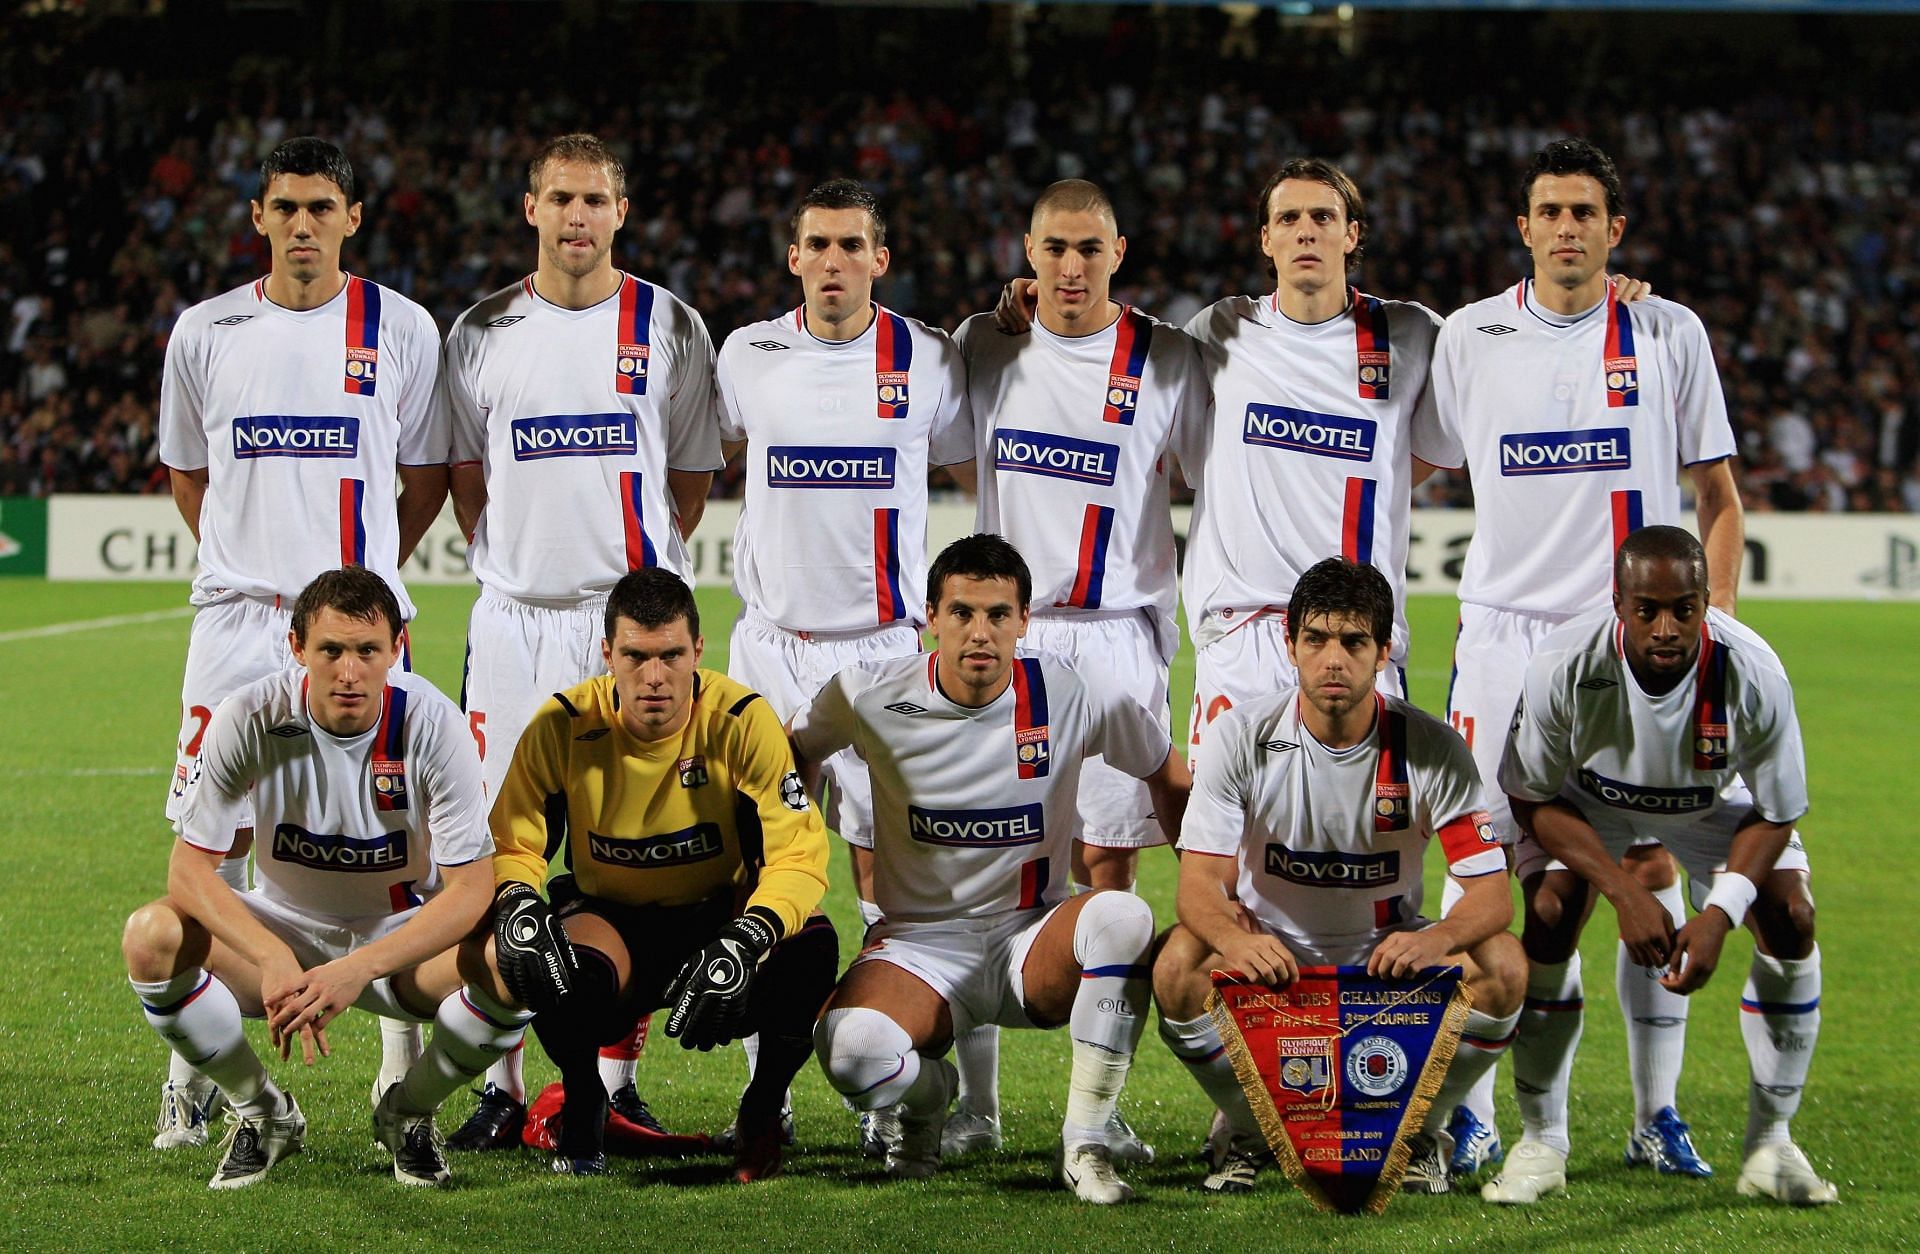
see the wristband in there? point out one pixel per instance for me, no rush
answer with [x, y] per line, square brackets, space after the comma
[1733, 893]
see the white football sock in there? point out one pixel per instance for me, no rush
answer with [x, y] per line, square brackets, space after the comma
[1656, 1022]
[619, 1060]
[869, 1059]
[1111, 939]
[1550, 1023]
[470, 1032]
[196, 1015]
[1780, 1019]
[976, 1055]
[1482, 1042]
[1196, 1043]
[509, 1074]
[401, 1045]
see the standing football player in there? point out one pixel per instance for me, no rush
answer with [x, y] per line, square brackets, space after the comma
[840, 405]
[585, 436]
[287, 407]
[1575, 414]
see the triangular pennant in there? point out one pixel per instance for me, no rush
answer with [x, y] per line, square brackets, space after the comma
[1340, 1068]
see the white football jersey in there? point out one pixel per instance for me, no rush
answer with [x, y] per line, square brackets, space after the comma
[576, 415]
[833, 533]
[1312, 436]
[1725, 737]
[1072, 436]
[1330, 841]
[349, 826]
[299, 418]
[1574, 433]
[974, 810]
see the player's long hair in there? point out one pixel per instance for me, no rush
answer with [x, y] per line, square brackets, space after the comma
[352, 591]
[1340, 588]
[981, 556]
[652, 597]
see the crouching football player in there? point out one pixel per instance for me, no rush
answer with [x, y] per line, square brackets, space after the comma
[373, 858]
[1309, 777]
[975, 757]
[1665, 719]
[696, 863]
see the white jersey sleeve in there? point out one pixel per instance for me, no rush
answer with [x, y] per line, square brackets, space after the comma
[1539, 753]
[693, 420]
[1216, 816]
[215, 803]
[1125, 734]
[828, 724]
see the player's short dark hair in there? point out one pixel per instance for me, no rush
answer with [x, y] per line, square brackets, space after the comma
[652, 597]
[981, 556]
[1340, 588]
[583, 148]
[353, 591]
[1662, 543]
[308, 154]
[1074, 196]
[1574, 156]
[1314, 170]
[842, 194]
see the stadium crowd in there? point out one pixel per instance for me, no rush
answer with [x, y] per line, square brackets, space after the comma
[1787, 223]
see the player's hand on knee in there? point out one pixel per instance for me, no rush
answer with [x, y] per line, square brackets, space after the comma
[1696, 952]
[1645, 927]
[1262, 958]
[1018, 301]
[709, 995]
[1402, 955]
[536, 960]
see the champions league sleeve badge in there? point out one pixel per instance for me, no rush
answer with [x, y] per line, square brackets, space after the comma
[1340, 1068]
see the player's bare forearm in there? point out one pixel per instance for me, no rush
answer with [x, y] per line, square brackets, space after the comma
[468, 481]
[1562, 832]
[1203, 901]
[423, 490]
[731, 450]
[189, 494]
[1169, 787]
[1723, 530]
[447, 918]
[1485, 910]
[688, 488]
[1423, 471]
[1756, 849]
[194, 882]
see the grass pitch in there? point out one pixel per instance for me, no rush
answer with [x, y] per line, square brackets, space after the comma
[84, 753]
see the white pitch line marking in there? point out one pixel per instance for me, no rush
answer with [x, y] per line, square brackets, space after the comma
[95, 624]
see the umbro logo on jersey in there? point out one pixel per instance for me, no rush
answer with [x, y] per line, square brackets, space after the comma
[287, 731]
[506, 321]
[1278, 746]
[907, 707]
[1596, 684]
[1498, 329]
[595, 734]
[768, 346]
[234, 320]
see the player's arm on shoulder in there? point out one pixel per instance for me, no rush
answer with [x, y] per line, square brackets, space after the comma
[1723, 529]
[794, 877]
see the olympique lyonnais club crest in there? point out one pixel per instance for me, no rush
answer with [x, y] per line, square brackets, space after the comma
[389, 785]
[1340, 1068]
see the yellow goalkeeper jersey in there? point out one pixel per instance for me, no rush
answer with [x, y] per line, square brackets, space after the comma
[663, 822]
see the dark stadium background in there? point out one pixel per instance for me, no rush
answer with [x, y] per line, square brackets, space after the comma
[1770, 163]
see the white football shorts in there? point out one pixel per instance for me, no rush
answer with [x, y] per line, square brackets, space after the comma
[518, 655]
[974, 964]
[231, 644]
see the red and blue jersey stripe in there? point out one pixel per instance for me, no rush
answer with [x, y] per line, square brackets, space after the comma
[892, 603]
[363, 335]
[1621, 365]
[892, 360]
[1373, 352]
[1392, 797]
[1356, 521]
[1628, 516]
[353, 522]
[1089, 580]
[1710, 705]
[636, 338]
[1132, 337]
[633, 521]
[389, 763]
[1030, 735]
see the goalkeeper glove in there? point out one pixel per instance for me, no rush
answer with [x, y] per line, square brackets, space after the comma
[536, 959]
[709, 996]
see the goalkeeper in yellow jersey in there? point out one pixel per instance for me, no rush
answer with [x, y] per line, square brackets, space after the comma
[690, 867]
